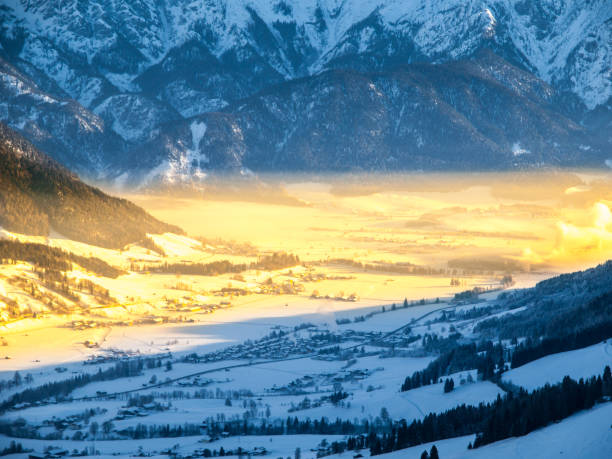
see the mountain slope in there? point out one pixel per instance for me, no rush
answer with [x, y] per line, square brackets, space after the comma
[37, 194]
[107, 42]
[482, 113]
[130, 68]
[54, 122]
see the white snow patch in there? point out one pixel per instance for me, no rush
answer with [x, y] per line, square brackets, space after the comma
[198, 130]
[517, 150]
[176, 245]
[123, 81]
[185, 164]
[581, 363]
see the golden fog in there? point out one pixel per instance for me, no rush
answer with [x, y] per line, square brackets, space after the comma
[548, 220]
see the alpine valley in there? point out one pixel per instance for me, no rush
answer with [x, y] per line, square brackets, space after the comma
[142, 91]
[298, 229]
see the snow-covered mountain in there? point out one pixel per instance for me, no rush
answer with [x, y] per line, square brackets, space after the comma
[142, 66]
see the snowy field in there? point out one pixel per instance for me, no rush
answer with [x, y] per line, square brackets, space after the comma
[584, 435]
[581, 363]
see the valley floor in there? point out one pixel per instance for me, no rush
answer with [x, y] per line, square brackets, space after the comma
[181, 364]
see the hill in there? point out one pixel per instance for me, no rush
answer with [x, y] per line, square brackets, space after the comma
[37, 195]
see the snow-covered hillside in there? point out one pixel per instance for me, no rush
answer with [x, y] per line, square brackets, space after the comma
[119, 39]
[582, 435]
[551, 369]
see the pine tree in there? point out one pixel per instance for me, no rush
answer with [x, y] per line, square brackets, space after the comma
[433, 454]
[607, 381]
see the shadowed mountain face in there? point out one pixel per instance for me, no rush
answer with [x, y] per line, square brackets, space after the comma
[148, 90]
[37, 195]
[483, 113]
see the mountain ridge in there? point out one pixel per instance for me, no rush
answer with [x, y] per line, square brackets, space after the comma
[279, 128]
[133, 67]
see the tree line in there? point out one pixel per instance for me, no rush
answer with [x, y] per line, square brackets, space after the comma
[508, 416]
[484, 357]
[399, 268]
[531, 350]
[61, 389]
[52, 258]
[290, 426]
[277, 260]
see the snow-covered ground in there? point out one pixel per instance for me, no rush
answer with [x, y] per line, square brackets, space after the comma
[581, 363]
[583, 435]
[284, 445]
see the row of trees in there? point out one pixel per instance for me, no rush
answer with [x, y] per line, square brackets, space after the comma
[141, 431]
[531, 350]
[399, 268]
[222, 452]
[290, 426]
[61, 389]
[278, 260]
[52, 258]
[195, 269]
[483, 357]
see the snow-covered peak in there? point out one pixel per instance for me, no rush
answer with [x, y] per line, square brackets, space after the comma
[566, 42]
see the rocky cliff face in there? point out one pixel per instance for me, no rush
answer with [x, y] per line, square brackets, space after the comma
[145, 72]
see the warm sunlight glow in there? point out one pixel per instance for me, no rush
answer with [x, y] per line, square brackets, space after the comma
[426, 219]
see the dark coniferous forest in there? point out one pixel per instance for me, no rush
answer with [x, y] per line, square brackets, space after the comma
[513, 415]
[38, 195]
